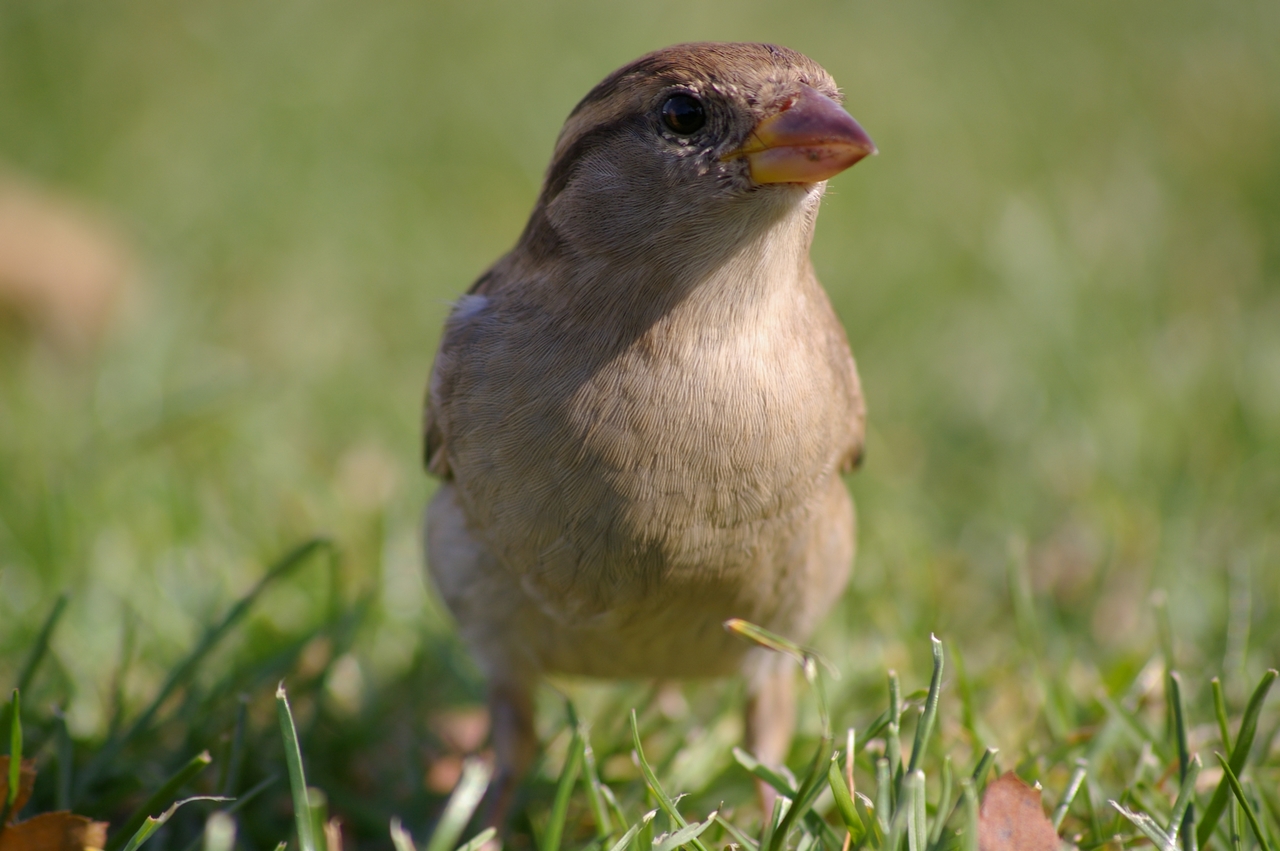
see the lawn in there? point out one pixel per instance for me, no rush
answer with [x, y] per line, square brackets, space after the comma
[1061, 279]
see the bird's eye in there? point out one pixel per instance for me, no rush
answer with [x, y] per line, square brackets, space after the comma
[684, 114]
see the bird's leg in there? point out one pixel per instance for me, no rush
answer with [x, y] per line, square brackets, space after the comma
[515, 743]
[771, 719]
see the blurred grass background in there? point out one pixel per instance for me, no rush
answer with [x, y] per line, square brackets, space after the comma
[1061, 279]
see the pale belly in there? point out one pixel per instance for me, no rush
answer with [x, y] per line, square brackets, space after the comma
[615, 512]
[785, 578]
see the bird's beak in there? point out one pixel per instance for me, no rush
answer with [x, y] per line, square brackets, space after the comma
[811, 138]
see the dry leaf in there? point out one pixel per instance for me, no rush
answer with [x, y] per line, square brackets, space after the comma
[443, 774]
[61, 831]
[1012, 818]
[333, 834]
[63, 268]
[26, 780]
[462, 730]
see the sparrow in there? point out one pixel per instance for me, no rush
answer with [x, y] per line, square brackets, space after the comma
[640, 415]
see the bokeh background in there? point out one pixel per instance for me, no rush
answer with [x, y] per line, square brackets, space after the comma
[230, 233]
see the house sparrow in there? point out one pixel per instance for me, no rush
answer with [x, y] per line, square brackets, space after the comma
[641, 413]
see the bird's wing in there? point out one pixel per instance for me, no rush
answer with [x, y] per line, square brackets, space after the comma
[848, 384]
[435, 456]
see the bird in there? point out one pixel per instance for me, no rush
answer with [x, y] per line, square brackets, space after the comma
[640, 416]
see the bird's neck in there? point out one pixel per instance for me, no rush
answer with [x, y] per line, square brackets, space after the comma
[706, 272]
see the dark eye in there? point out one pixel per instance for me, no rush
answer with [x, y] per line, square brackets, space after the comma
[684, 114]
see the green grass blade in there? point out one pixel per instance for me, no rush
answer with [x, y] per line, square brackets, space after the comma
[844, 804]
[1164, 627]
[875, 728]
[968, 717]
[461, 806]
[1028, 622]
[664, 801]
[737, 835]
[898, 825]
[925, 727]
[400, 838]
[970, 797]
[611, 801]
[1133, 724]
[983, 768]
[684, 835]
[645, 820]
[318, 810]
[818, 827]
[1234, 836]
[15, 752]
[297, 775]
[564, 788]
[1220, 713]
[1147, 826]
[763, 772]
[1069, 794]
[645, 838]
[243, 800]
[1233, 827]
[65, 754]
[41, 646]
[475, 842]
[1179, 723]
[1095, 821]
[814, 678]
[940, 820]
[591, 783]
[151, 825]
[166, 792]
[1177, 707]
[185, 669]
[884, 794]
[1184, 803]
[231, 771]
[808, 659]
[893, 741]
[917, 822]
[867, 810]
[1272, 807]
[780, 806]
[977, 779]
[772, 641]
[288, 563]
[1250, 816]
[809, 790]
[1239, 755]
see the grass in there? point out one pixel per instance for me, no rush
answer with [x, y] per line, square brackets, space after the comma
[1060, 280]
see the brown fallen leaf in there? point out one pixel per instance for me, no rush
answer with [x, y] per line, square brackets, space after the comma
[333, 834]
[60, 831]
[1012, 818]
[26, 780]
[462, 730]
[63, 267]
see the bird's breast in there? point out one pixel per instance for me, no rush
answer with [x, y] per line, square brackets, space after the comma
[685, 458]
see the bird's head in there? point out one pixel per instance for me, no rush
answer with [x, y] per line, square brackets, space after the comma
[691, 143]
